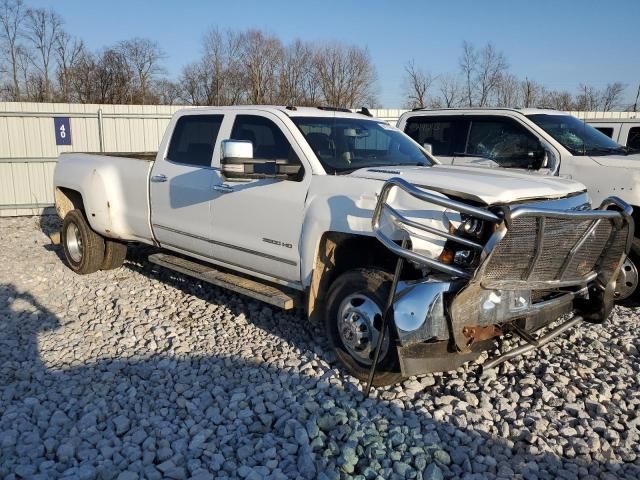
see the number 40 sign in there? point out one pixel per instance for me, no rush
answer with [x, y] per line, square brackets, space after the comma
[63, 130]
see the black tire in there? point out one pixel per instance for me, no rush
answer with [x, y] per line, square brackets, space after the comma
[375, 285]
[634, 300]
[114, 254]
[87, 257]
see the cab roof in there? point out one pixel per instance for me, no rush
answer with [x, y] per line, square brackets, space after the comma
[523, 111]
[291, 111]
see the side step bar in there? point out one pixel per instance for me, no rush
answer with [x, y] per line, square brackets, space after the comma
[276, 295]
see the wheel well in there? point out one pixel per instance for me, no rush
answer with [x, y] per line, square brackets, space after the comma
[338, 253]
[67, 200]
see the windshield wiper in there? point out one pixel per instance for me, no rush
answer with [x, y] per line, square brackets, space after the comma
[619, 149]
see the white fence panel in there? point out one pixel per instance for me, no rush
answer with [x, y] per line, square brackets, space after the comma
[28, 149]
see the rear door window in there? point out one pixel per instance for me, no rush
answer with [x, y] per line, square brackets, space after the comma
[193, 140]
[436, 131]
[633, 140]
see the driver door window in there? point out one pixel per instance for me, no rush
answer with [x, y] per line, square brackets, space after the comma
[269, 143]
[505, 142]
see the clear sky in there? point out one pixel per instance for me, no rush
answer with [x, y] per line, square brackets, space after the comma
[558, 43]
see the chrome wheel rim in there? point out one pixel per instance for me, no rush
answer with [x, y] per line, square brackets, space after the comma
[74, 243]
[627, 280]
[359, 326]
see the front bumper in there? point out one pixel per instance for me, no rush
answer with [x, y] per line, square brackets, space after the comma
[537, 266]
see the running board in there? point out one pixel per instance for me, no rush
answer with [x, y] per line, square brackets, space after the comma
[276, 295]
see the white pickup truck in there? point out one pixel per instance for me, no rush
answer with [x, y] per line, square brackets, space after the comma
[348, 218]
[545, 142]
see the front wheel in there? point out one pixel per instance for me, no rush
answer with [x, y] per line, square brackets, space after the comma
[83, 248]
[353, 317]
[627, 291]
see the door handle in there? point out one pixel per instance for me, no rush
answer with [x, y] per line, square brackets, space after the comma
[159, 178]
[222, 188]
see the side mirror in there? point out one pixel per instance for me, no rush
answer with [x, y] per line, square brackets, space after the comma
[237, 149]
[237, 162]
[537, 159]
[428, 147]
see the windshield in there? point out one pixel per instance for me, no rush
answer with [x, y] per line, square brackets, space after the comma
[576, 136]
[346, 144]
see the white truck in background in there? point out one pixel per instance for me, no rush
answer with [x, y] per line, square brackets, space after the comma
[348, 218]
[624, 131]
[540, 141]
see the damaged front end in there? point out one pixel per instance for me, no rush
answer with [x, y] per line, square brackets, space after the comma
[534, 266]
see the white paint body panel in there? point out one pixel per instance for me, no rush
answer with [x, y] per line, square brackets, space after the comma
[230, 228]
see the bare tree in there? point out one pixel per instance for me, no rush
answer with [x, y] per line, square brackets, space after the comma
[167, 92]
[102, 78]
[450, 93]
[193, 82]
[589, 99]
[223, 61]
[508, 91]
[468, 67]
[143, 57]
[68, 53]
[346, 75]
[612, 95]
[417, 85]
[295, 68]
[261, 54]
[558, 100]
[635, 104]
[531, 93]
[42, 29]
[492, 65]
[12, 17]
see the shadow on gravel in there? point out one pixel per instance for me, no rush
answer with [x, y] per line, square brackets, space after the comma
[206, 417]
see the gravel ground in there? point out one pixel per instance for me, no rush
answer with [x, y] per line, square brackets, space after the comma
[142, 373]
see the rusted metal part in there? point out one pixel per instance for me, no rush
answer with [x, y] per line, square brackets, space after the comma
[477, 333]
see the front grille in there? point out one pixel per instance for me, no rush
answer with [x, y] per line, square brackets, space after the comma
[541, 249]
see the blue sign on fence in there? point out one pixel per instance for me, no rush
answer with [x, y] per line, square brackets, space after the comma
[63, 130]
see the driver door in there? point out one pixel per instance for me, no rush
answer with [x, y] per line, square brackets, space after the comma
[257, 223]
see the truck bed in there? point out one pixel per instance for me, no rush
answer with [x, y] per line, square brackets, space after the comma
[115, 191]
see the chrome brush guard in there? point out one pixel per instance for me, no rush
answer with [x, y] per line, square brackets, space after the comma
[531, 252]
[537, 264]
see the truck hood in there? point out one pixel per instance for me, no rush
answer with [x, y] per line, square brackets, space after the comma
[488, 186]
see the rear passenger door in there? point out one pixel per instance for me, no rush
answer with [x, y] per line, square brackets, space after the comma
[181, 185]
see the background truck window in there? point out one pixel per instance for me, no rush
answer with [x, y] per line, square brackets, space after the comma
[504, 142]
[633, 140]
[193, 139]
[438, 133]
[608, 131]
